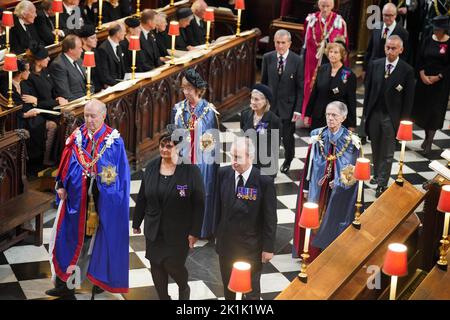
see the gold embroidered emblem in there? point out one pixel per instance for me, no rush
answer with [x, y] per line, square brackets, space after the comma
[347, 177]
[207, 142]
[108, 175]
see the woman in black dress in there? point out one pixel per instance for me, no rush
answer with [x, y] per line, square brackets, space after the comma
[263, 121]
[433, 85]
[42, 87]
[334, 82]
[171, 199]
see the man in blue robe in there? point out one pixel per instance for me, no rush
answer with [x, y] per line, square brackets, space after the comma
[328, 181]
[90, 235]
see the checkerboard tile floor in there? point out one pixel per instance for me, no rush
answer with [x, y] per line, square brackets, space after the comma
[25, 270]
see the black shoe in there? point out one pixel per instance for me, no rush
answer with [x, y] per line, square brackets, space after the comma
[373, 180]
[96, 290]
[379, 191]
[285, 167]
[60, 290]
[363, 140]
[184, 294]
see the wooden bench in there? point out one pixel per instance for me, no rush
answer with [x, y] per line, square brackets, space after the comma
[15, 212]
[18, 203]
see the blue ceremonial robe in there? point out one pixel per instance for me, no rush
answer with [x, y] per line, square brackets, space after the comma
[337, 205]
[109, 262]
[201, 156]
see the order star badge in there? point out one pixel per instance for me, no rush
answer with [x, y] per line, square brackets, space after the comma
[108, 175]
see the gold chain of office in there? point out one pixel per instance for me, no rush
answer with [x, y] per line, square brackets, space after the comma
[88, 165]
[335, 156]
[436, 8]
[192, 123]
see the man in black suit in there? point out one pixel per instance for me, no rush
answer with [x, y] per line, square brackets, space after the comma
[149, 58]
[282, 71]
[67, 74]
[246, 216]
[73, 18]
[197, 26]
[375, 49]
[389, 96]
[24, 31]
[111, 65]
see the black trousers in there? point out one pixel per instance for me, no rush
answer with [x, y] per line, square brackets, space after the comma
[382, 137]
[160, 274]
[226, 265]
[287, 134]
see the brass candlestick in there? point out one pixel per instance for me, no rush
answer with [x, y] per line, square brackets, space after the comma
[88, 83]
[7, 39]
[238, 31]
[171, 3]
[357, 223]
[172, 51]
[303, 276]
[208, 28]
[442, 263]
[138, 8]
[10, 91]
[56, 27]
[100, 11]
[133, 64]
[400, 179]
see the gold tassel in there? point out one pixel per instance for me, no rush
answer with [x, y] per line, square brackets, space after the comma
[93, 220]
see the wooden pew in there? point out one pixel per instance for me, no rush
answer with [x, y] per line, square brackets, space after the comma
[18, 204]
[334, 273]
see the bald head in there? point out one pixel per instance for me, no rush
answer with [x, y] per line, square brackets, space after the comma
[389, 14]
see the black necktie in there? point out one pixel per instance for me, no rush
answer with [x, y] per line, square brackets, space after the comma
[280, 66]
[118, 52]
[240, 182]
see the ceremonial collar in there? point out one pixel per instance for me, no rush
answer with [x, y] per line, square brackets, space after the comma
[97, 134]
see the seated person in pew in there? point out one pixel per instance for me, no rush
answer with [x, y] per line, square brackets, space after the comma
[184, 40]
[43, 88]
[89, 42]
[72, 18]
[24, 31]
[42, 130]
[328, 181]
[132, 28]
[198, 25]
[111, 11]
[149, 57]
[90, 11]
[45, 23]
[67, 74]
[111, 65]
[162, 38]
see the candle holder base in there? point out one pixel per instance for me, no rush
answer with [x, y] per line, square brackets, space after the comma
[303, 277]
[443, 267]
[356, 225]
[400, 182]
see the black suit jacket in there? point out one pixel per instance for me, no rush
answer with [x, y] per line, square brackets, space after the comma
[197, 32]
[398, 93]
[20, 40]
[45, 25]
[177, 216]
[109, 13]
[375, 49]
[69, 83]
[163, 43]
[43, 87]
[322, 94]
[184, 39]
[70, 23]
[109, 68]
[149, 54]
[288, 89]
[245, 227]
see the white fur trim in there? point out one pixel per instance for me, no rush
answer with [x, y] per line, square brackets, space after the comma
[356, 141]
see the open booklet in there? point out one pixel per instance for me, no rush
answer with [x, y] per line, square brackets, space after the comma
[439, 168]
[56, 113]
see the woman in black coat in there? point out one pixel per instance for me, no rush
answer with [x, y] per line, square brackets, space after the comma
[263, 121]
[433, 85]
[334, 82]
[171, 203]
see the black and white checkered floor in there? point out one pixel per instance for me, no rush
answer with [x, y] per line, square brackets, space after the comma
[25, 270]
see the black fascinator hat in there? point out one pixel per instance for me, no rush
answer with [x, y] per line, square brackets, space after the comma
[194, 78]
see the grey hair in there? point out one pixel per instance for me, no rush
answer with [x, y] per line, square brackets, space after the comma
[267, 108]
[99, 104]
[244, 143]
[161, 15]
[396, 38]
[343, 110]
[283, 33]
[23, 7]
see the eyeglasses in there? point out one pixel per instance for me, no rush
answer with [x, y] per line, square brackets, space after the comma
[168, 146]
[332, 115]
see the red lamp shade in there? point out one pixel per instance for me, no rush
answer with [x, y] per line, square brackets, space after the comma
[57, 6]
[10, 62]
[310, 216]
[444, 199]
[209, 14]
[134, 44]
[240, 280]
[362, 169]
[396, 260]
[7, 19]
[405, 130]
[89, 59]
[174, 28]
[239, 4]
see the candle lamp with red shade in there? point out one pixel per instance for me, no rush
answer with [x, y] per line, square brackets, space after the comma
[240, 279]
[362, 173]
[444, 206]
[209, 18]
[174, 31]
[134, 45]
[395, 265]
[57, 8]
[239, 5]
[10, 66]
[309, 219]
[404, 134]
[88, 62]
[8, 23]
